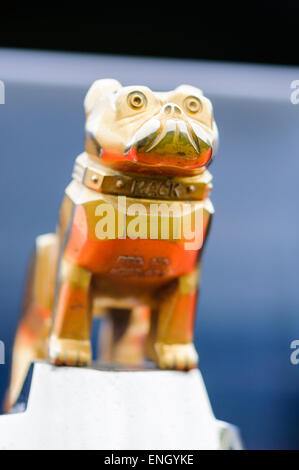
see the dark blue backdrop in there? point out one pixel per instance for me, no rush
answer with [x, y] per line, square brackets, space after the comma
[248, 311]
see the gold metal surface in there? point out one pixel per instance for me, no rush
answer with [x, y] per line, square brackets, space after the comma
[189, 282]
[75, 275]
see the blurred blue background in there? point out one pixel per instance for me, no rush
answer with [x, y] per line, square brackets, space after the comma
[249, 306]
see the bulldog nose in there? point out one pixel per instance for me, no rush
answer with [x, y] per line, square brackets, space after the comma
[172, 108]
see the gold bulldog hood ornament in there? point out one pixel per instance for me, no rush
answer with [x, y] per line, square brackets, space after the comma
[131, 232]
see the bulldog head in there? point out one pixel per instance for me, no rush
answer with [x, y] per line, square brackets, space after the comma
[137, 130]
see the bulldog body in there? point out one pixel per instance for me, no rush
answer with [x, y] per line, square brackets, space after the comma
[120, 247]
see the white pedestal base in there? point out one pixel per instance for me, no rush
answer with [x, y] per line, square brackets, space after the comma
[74, 408]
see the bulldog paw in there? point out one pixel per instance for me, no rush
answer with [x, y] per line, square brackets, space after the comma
[176, 356]
[69, 352]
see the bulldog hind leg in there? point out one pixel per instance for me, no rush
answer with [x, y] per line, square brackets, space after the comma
[31, 341]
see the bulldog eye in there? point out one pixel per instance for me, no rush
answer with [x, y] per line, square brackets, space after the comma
[136, 100]
[192, 104]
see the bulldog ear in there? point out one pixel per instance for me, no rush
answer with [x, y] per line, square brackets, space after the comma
[99, 87]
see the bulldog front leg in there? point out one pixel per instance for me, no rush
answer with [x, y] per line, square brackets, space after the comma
[70, 338]
[174, 347]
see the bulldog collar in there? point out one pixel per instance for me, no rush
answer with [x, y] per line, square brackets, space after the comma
[107, 181]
